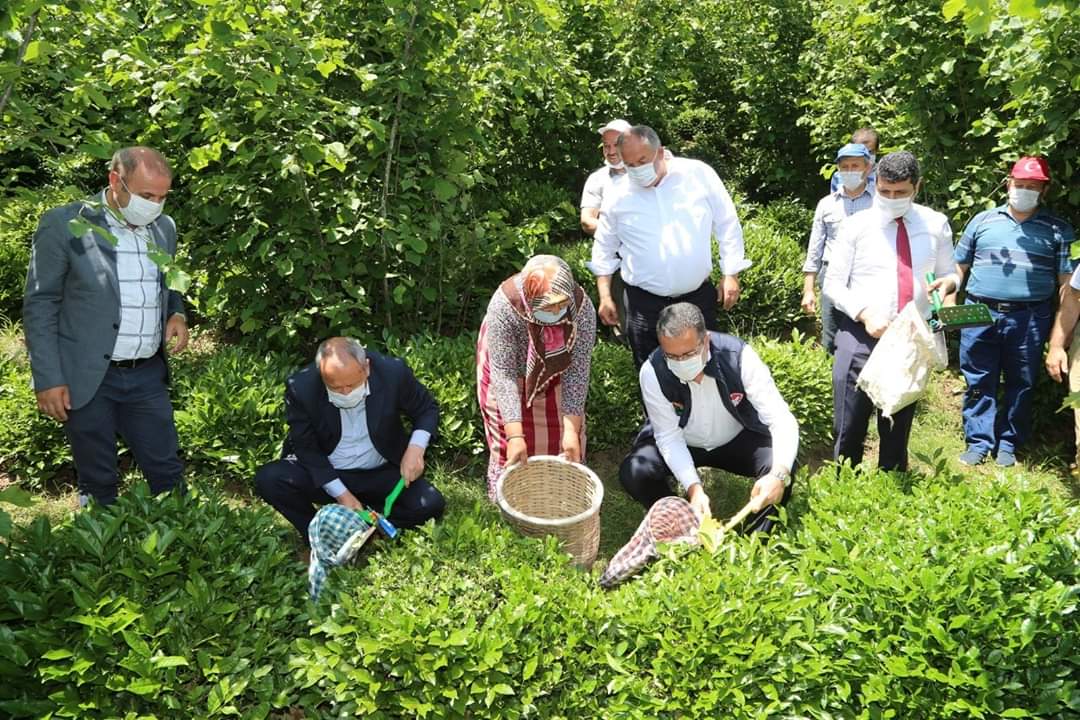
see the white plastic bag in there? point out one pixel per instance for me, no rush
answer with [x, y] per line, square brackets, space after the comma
[898, 369]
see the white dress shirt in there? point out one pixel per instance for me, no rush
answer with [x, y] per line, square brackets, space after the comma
[660, 238]
[710, 425]
[355, 450]
[599, 186]
[140, 292]
[862, 265]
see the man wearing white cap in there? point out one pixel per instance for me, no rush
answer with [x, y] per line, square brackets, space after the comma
[610, 176]
[657, 233]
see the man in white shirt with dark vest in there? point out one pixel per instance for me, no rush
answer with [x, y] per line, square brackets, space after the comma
[657, 233]
[711, 402]
[878, 265]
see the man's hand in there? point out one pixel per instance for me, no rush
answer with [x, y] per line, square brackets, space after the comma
[55, 402]
[608, 314]
[571, 445]
[412, 464]
[1057, 364]
[176, 328]
[517, 451]
[349, 500]
[809, 302]
[768, 490]
[874, 323]
[699, 501]
[728, 293]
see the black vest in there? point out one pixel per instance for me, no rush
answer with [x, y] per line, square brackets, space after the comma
[725, 367]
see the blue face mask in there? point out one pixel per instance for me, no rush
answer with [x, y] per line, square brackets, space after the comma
[545, 317]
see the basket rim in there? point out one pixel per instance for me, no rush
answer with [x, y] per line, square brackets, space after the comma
[504, 504]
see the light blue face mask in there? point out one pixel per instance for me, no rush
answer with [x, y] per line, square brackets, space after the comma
[545, 317]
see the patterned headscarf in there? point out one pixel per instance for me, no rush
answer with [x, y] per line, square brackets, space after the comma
[545, 280]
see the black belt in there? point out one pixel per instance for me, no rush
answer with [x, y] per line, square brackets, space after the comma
[1007, 306]
[130, 364]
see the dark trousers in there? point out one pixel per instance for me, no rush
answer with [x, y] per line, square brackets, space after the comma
[1013, 345]
[647, 478]
[852, 407]
[288, 487]
[134, 403]
[643, 308]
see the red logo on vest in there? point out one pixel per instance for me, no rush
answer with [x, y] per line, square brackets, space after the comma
[736, 398]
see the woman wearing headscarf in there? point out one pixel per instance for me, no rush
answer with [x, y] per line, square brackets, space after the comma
[532, 366]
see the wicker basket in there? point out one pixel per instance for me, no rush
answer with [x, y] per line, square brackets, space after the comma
[552, 496]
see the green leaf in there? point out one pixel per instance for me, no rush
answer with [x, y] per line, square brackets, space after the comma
[177, 280]
[58, 654]
[336, 156]
[169, 661]
[149, 543]
[1028, 9]
[37, 51]
[952, 8]
[142, 686]
[444, 190]
[14, 495]
[1027, 631]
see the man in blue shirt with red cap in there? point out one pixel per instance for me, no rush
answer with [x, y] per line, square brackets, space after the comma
[1017, 256]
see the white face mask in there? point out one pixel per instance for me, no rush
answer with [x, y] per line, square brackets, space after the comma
[686, 370]
[545, 317]
[892, 207]
[350, 400]
[643, 175]
[1023, 200]
[140, 211]
[850, 179]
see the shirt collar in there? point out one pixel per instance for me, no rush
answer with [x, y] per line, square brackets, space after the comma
[867, 190]
[1004, 210]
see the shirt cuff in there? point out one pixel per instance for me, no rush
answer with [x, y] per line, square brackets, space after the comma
[734, 267]
[335, 488]
[688, 478]
[602, 267]
[420, 438]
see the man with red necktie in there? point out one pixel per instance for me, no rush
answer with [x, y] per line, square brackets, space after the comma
[877, 266]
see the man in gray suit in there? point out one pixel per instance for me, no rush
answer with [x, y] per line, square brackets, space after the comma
[98, 317]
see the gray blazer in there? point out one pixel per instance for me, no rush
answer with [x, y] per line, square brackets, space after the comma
[71, 307]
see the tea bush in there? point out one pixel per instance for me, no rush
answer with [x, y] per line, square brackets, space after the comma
[772, 286]
[170, 606]
[802, 371]
[33, 447]
[956, 601]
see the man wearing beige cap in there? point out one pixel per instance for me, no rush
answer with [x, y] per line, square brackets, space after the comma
[603, 184]
[1016, 257]
[606, 179]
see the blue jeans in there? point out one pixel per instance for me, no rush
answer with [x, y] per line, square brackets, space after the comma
[1013, 345]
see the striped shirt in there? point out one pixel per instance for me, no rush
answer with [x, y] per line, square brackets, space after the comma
[1015, 261]
[140, 292]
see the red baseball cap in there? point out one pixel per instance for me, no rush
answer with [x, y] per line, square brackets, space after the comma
[1031, 168]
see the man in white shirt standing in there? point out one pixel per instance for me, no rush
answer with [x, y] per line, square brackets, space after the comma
[711, 402]
[657, 233]
[879, 264]
[601, 182]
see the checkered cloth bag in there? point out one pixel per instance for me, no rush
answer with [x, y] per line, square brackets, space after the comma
[669, 520]
[336, 534]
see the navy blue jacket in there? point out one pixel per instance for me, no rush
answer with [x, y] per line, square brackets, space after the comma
[725, 367]
[315, 422]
